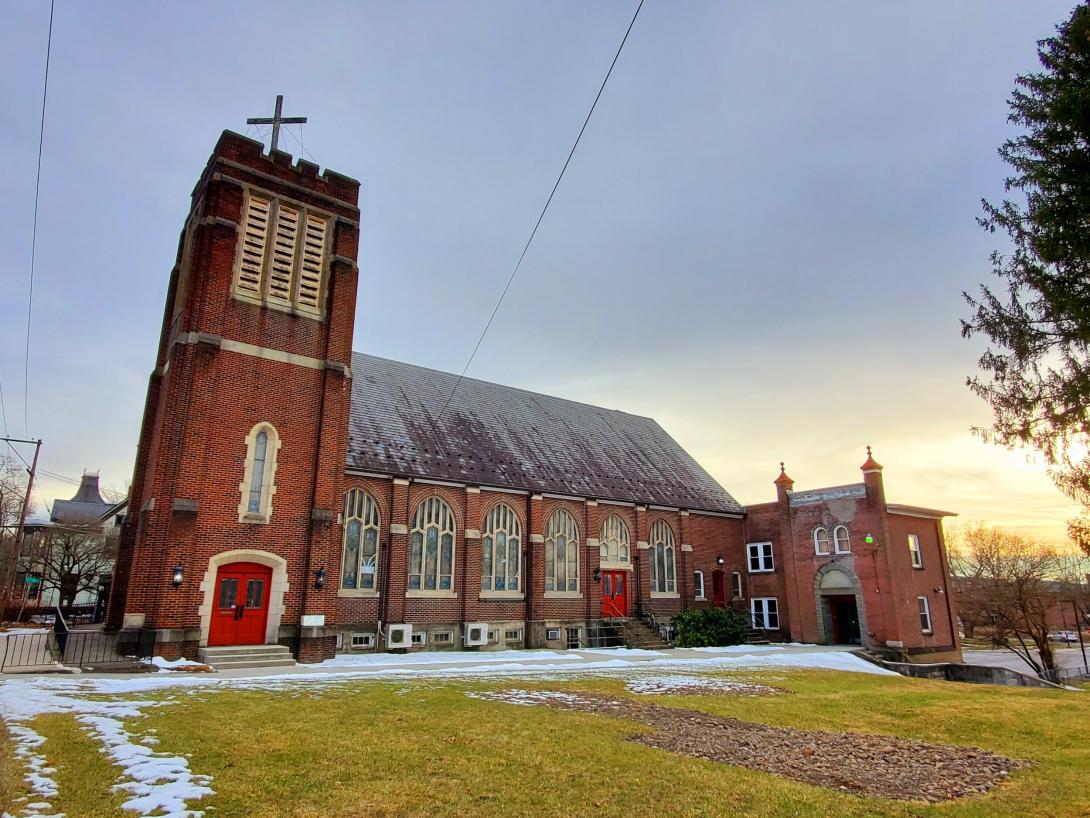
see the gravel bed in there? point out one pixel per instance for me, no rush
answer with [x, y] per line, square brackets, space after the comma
[882, 766]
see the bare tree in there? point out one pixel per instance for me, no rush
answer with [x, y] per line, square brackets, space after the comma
[1007, 584]
[13, 484]
[71, 558]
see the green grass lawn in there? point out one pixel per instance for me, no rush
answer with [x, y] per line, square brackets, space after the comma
[373, 748]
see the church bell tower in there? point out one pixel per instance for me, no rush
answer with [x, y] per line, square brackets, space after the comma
[239, 474]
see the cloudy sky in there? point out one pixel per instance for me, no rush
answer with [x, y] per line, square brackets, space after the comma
[761, 242]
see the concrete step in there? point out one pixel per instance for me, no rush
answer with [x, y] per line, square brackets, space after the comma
[230, 657]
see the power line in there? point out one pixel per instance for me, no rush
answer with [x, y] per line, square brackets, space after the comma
[537, 224]
[34, 229]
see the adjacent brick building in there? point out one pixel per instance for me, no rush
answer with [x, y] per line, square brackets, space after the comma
[288, 490]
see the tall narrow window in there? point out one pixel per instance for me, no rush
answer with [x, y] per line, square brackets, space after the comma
[821, 540]
[431, 547]
[257, 479]
[282, 254]
[698, 584]
[914, 551]
[841, 540]
[501, 550]
[736, 584]
[615, 544]
[361, 529]
[925, 614]
[663, 565]
[561, 552]
[259, 476]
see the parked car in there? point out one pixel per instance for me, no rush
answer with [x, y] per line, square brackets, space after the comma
[1070, 637]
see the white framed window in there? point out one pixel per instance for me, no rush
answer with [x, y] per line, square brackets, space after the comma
[259, 474]
[698, 584]
[842, 542]
[663, 559]
[821, 540]
[420, 637]
[283, 254]
[914, 550]
[765, 613]
[552, 634]
[501, 550]
[736, 584]
[925, 614]
[561, 552]
[431, 547]
[493, 636]
[442, 637]
[760, 557]
[359, 563]
[512, 635]
[362, 641]
[616, 543]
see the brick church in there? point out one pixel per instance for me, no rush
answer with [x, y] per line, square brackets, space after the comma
[291, 492]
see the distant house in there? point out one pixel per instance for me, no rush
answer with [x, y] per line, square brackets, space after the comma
[67, 559]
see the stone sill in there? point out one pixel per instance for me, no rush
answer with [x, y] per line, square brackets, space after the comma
[665, 595]
[357, 593]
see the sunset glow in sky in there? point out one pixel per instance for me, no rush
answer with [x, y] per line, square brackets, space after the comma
[761, 242]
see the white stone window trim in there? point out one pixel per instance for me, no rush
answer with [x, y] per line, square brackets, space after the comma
[268, 477]
[561, 523]
[503, 596]
[698, 586]
[615, 544]
[769, 619]
[262, 298]
[501, 519]
[914, 551]
[371, 520]
[663, 544]
[765, 561]
[842, 544]
[927, 625]
[822, 543]
[433, 512]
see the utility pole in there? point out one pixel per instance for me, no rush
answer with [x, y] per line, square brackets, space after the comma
[20, 529]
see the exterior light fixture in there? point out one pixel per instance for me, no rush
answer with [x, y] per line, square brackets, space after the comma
[869, 539]
[598, 574]
[319, 578]
[719, 560]
[178, 575]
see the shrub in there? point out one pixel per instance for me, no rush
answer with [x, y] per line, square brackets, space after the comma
[709, 627]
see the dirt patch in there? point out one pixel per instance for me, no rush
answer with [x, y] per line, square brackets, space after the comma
[881, 766]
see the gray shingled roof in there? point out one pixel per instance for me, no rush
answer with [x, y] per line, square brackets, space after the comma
[494, 435]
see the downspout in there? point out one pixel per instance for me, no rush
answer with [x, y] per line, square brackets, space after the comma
[527, 579]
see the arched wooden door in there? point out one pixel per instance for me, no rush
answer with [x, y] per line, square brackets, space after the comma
[240, 611]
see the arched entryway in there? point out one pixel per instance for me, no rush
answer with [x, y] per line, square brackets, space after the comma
[841, 616]
[243, 598]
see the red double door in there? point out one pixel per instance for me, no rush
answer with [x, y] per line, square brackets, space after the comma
[614, 593]
[241, 610]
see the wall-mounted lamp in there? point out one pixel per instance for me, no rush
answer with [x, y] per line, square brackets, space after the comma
[598, 574]
[719, 560]
[319, 578]
[869, 539]
[178, 575]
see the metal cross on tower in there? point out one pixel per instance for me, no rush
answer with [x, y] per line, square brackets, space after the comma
[276, 120]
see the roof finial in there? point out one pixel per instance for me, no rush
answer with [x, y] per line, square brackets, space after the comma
[871, 465]
[783, 479]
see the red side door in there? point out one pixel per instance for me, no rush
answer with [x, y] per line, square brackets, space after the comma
[241, 604]
[614, 593]
[719, 589]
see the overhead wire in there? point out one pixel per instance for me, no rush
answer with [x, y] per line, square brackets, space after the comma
[537, 224]
[34, 228]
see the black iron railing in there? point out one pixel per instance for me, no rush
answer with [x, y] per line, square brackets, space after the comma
[90, 648]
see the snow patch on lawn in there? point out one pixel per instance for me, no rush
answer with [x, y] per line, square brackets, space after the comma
[437, 658]
[529, 698]
[159, 782]
[175, 664]
[680, 683]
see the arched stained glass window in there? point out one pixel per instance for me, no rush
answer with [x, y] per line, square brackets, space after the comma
[615, 542]
[361, 529]
[501, 543]
[561, 552]
[663, 559]
[431, 547]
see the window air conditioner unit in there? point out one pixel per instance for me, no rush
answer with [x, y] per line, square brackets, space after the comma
[476, 634]
[399, 636]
